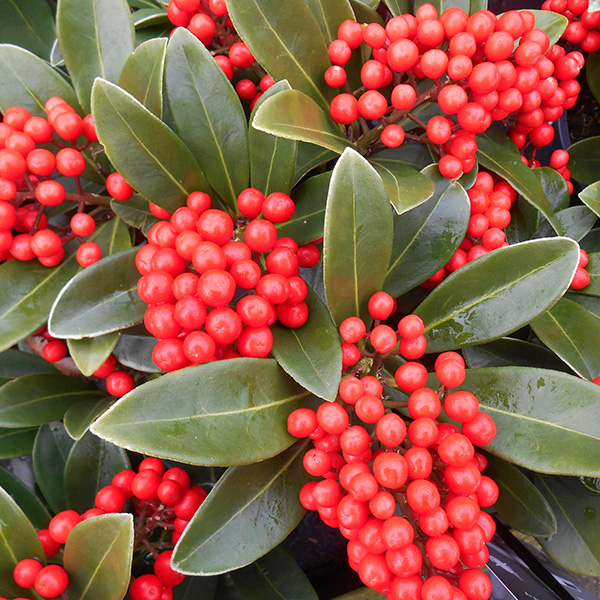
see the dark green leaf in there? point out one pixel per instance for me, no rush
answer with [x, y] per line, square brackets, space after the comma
[91, 464]
[590, 303]
[275, 576]
[143, 149]
[14, 363]
[149, 17]
[80, 416]
[365, 13]
[572, 333]
[29, 24]
[142, 74]
[293, 115]
[18, 540]
[199, 93]
[554, 186]
[406, 187]
[310, 157]
[426, 237]
[16, 442]
[591, 242]
[497, 152]
[576, 221]
[311, 354]
[584, 160]
[477, 303]
[576, 543]
[135, 212]
[412, 154]
[538, 411]
[96, 37]
[272, 158]
[196, 588]
[590, 196]
[37, 399]
[288, 44]
[593, 268]
[311, 198]
[28, 81]
[217, 413]
[551, 23]
[508, 352]
[98, 556]
[50, 452]
[398, 7]
[591, 483]
[135, 352]
[358, 237]
[250, 511]
[28, 502]
[89, 354]
[101, 299]
[593, 74]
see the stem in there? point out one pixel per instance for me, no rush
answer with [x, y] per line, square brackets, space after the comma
[92, 199]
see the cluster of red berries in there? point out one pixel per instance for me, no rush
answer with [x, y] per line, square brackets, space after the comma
[164, 501]
[28, 183]
[583, 24]
[479, 77]
[377, 466]
[200, 261]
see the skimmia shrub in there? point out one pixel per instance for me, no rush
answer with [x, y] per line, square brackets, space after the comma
[258, 260]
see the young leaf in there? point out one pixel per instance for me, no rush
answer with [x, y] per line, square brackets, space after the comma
[16, 442]
[91, 464]
[590, 196]
[310, 157]
[537, 411]
[311, 354]
[96, 37]
[293, 115]
[142, 74]
[85, 310]
[477, 303]
[576, 543]
[358, 237]
[208, 115]
[28, 81]
[572, 333]
[288, 44]
[249, 512]
[584, 160]
[80, 416]
[223, 413]
[135, 212]
[495, 151]
[520, 503]
[143, 149]
[272, 158]
[29, 503]
[98, 556]
[14, 363]
[37, 399]
[89, 354]
[29, 24]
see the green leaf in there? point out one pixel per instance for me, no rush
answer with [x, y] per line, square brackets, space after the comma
[194, 588]
[412, 154]
[135, 352]
[308, 221]
[495, 151]
[477, 303]
[16, 442]
[591, 242]
[207, 115]
[591, 483]
[272, 158]
[366, 13]
[18, 540]
[149, 17]
[29, 24]
[551, 23]
[593, 268]
[311, 354]
[537, 411]
[329, 15]
[426, 237]
[358, 237]
[288, 44]
[275, 576]
[590, 196]
[584, 160]
[310, 157]
[590, 303]
[572, 333]
[50, 452]
[30, 289]
[250, 511]
[14, 363]
[398, 7]
[293, 115]
[576, 221]
[508, 352]
[554, 187]
[98, 556]
[217, 414]
[37, 399]
[96, 37]
[576, 543]
[28, 81]
[91, 464]
[90, 354]
[29, 503]
[405, 186]
[520, 503]
[143, 149]
[593, 74]
[80, 416]
[135, 212]
[101, 299]
[142, 74]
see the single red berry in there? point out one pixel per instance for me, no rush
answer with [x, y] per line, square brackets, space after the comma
[26, 571]
[51, 581]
